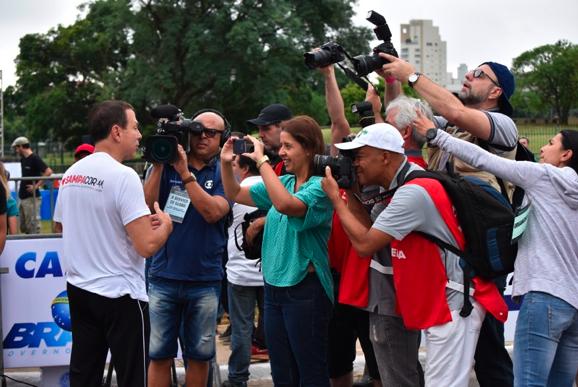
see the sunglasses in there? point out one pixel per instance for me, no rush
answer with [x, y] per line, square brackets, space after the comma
[479, 73]
[209, 133]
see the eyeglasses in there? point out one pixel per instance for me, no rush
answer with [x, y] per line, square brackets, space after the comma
[479, 73]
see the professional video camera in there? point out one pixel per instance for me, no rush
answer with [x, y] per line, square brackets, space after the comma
[327, 54]
[365, 64]
[365, 112]
[341, 167]
[172, 129]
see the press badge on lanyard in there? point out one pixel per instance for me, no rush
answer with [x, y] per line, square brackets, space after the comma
[177, 204]
[520, 222]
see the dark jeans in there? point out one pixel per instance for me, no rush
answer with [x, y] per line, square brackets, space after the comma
[100, 323]
[493, 364]
[296, 326]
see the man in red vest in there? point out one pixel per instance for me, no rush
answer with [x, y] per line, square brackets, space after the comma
[427, 280]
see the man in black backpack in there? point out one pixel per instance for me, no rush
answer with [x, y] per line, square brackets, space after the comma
[428, 280]
[480, 114]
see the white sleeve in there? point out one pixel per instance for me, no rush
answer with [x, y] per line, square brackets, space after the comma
[130, 200]
[520, 173]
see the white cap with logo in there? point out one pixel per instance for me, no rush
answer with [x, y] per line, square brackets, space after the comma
[381, 136]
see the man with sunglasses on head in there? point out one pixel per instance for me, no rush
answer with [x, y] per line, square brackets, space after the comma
[185, 275]
[481, 115]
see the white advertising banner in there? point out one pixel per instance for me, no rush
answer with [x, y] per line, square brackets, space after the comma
[35, 313]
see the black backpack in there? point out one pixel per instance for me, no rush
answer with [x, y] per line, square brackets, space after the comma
[252, 251]
[486, 219]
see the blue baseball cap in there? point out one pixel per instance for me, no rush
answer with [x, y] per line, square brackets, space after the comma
[507, 84]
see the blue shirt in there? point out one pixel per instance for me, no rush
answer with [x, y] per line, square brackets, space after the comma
[195, 248]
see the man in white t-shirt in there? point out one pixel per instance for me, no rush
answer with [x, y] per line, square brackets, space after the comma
[107, 229]
[245, 283]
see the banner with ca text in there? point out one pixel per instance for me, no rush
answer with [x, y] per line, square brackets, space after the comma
[35, 313]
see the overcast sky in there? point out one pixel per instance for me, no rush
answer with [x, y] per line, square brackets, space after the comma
[475, 31]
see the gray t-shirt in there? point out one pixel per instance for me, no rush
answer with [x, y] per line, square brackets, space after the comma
[502, 142]
[412, 209]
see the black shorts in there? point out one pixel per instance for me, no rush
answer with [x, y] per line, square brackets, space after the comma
[346, 326]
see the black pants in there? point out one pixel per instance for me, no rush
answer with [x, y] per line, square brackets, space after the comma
[99, 324]
[493, 363]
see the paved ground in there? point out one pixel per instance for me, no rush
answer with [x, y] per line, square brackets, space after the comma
[260, 371]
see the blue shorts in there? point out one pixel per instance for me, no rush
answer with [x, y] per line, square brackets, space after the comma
[191, 306]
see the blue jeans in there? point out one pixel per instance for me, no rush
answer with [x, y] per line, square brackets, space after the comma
[546, 342]
[242, 302]
[296, 328]
[191, 305]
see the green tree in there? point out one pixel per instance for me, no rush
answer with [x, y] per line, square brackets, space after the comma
[551, 72]
[237, 56]
[233, 55]
[63, 72]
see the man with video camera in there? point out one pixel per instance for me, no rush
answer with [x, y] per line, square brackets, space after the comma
[481, 115]
[185, 275]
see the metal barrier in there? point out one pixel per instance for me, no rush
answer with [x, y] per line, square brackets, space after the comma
[18, 181]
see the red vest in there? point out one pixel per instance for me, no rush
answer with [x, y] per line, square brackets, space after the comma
[420, 277]
[354, 270]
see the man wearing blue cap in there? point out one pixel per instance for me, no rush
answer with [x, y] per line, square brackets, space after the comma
[481, 114]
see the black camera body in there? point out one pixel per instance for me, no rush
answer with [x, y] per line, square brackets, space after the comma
[241, 146]
[365, 64]
[329, 53]
[341, 168]
[172, 129]
[364, 110]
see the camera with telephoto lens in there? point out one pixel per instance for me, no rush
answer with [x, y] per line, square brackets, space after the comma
[365, 112]
[327, 54]
[341, 167]
[172, 129]
[365, 64]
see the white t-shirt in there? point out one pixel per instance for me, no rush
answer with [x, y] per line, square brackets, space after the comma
[240, 270]
[98, 196]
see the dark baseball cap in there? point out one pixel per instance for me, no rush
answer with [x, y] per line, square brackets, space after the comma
[272, 114]
[507, 84]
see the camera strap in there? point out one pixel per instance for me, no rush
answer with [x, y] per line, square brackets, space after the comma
[361, 82]
[385, 196]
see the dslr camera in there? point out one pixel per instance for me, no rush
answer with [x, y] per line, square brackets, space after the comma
[365, 64]
[327, 54]
[341, 167]
[365, 112]
[172, 129]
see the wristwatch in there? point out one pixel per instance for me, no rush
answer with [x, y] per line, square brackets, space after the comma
[430, 134]
[189, 179]
[262, 161]
[412, 79]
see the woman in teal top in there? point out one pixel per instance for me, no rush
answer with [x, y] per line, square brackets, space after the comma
[298, 284]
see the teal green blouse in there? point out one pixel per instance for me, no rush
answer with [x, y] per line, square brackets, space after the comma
[291, 243]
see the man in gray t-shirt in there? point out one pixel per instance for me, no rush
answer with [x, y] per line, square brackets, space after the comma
[450, 338]
[481, 115]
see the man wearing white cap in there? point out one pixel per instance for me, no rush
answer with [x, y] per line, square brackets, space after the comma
[32, 165]
[421, 271]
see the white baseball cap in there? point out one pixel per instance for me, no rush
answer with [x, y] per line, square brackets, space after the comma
[381, 136]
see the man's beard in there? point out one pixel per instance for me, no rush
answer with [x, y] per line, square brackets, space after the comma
[469, 99]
